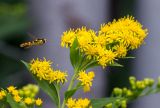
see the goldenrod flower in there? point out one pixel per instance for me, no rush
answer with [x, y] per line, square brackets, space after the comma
[107, 57]
[28, 101]
[2, 94]
[120, 51]
[79, 103]
[42, 69]
[71, 103]
[11, 88]
[125, 30]
[15, 92]
[83, 103]
[68, 38]
[38, 102]
[112, 41]
[86, 79]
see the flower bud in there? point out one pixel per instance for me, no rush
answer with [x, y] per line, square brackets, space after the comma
[151, 82]
[124, 91]
[117, 91]
[140, 85]
[147, 81]
[21, 93]
[124, 104]
[129, 93]
[117, 102]
[132, 81]
[158, 84]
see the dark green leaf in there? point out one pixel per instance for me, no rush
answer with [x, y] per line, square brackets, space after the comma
[101, 102]
[14, 104]
[74, 53]
[91, 64]
[70, 93]
[49, 89]
[26, 64]
[129, 57]
[116, 64]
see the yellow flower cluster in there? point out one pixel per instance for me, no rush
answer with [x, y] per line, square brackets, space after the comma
[125, 31]
[112, 41]
[42, 69]
[17, 95]
[2, 94]
[86, 79]
[79, 103]
[31, 101]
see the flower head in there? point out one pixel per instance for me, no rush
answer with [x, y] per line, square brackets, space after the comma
[86, 79]
[11, 88]
[43, 70]
[78, 103]
[28, 101]
[125, 30]
[2, 94]
[38, 102]
[68, 38]
[17, 98]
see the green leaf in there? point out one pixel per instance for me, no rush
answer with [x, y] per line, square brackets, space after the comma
[50, 89]
[116, 64]
[91, 64]
[14, 104]
[74, 53]
[70, 93]
[101, 102]
[26, 64]
[129, 57]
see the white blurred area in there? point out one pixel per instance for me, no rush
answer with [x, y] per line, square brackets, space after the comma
[50, 18]
[147, 62]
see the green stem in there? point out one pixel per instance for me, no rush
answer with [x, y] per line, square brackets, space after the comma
[70, 85]
[58, 93]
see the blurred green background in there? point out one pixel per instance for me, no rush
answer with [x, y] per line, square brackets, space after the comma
[13, 26]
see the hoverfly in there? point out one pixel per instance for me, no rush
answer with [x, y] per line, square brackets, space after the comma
[36, 42]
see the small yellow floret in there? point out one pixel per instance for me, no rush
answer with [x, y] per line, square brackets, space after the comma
[79, 103]
[39, 102]
[2, 94]
[15, 92]
[11, 88]
[71, 103]
[28, 101]
[86, 79]
[17, 98]
[120, 51]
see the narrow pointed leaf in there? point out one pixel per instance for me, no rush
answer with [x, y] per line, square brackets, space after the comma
[129, 57]
[70, 93]
[91, 65]
[116, 65]
[74, 53]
